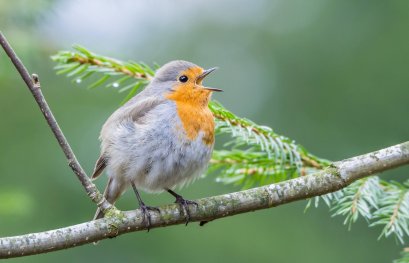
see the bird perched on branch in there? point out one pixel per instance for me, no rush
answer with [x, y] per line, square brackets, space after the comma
[161, 138]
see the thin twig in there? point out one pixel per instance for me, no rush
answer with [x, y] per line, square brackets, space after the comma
[331, 179]
[33, 85]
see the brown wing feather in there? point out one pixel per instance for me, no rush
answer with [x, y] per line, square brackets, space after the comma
[99, 167]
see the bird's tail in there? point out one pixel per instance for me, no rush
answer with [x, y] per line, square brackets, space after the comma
[111, 193]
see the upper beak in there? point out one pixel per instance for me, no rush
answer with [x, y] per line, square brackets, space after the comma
[204, 74]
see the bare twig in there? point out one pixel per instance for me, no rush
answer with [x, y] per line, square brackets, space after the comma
[331, 179]
[33, 85]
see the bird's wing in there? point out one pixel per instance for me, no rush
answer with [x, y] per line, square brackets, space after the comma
[141, 107]
[134, 110]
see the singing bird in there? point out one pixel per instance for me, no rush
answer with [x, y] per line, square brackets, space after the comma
[160, 139]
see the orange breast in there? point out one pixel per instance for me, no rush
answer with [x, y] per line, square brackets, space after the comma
[193, 111]
[196, 120]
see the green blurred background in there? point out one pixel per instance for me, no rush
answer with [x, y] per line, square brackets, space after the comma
[333, 75]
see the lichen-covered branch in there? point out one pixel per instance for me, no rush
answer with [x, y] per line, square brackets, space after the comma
[331, 179]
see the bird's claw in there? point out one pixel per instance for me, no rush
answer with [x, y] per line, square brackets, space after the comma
[147, 215]
[184, 205]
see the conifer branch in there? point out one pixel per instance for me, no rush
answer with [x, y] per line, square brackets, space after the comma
[377, 201]
[282, 157]
[394, 212]
[359, 199]
[80, 61]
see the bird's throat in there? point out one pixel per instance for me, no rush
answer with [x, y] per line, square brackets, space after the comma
[194, 113]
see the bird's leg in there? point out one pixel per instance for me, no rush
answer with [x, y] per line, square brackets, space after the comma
[184, 204]
[144, 208]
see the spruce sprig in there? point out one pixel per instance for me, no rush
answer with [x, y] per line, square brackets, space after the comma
[81, 64]
[379, 202]
[394, 213]
[248, 168]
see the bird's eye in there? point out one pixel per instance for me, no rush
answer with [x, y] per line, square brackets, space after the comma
[183, 78]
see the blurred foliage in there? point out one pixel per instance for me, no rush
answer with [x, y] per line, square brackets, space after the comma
[14, 202]
[404, 258]
[332, 75]
[22, 13]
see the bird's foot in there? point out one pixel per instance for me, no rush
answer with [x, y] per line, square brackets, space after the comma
[147, 215]
[144, 208]
[184, 205]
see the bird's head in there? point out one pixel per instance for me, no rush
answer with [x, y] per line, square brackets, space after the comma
[182, 81]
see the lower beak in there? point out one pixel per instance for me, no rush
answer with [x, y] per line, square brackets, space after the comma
[204, 74]
[213, 89]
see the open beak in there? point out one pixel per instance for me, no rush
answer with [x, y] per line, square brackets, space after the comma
[204, 74]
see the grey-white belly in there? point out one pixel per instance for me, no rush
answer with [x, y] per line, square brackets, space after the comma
[157, 158]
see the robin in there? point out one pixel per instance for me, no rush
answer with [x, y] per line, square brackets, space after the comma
[162, 138]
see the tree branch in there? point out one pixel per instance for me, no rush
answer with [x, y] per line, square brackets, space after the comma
[33, 85]
[331, 179]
